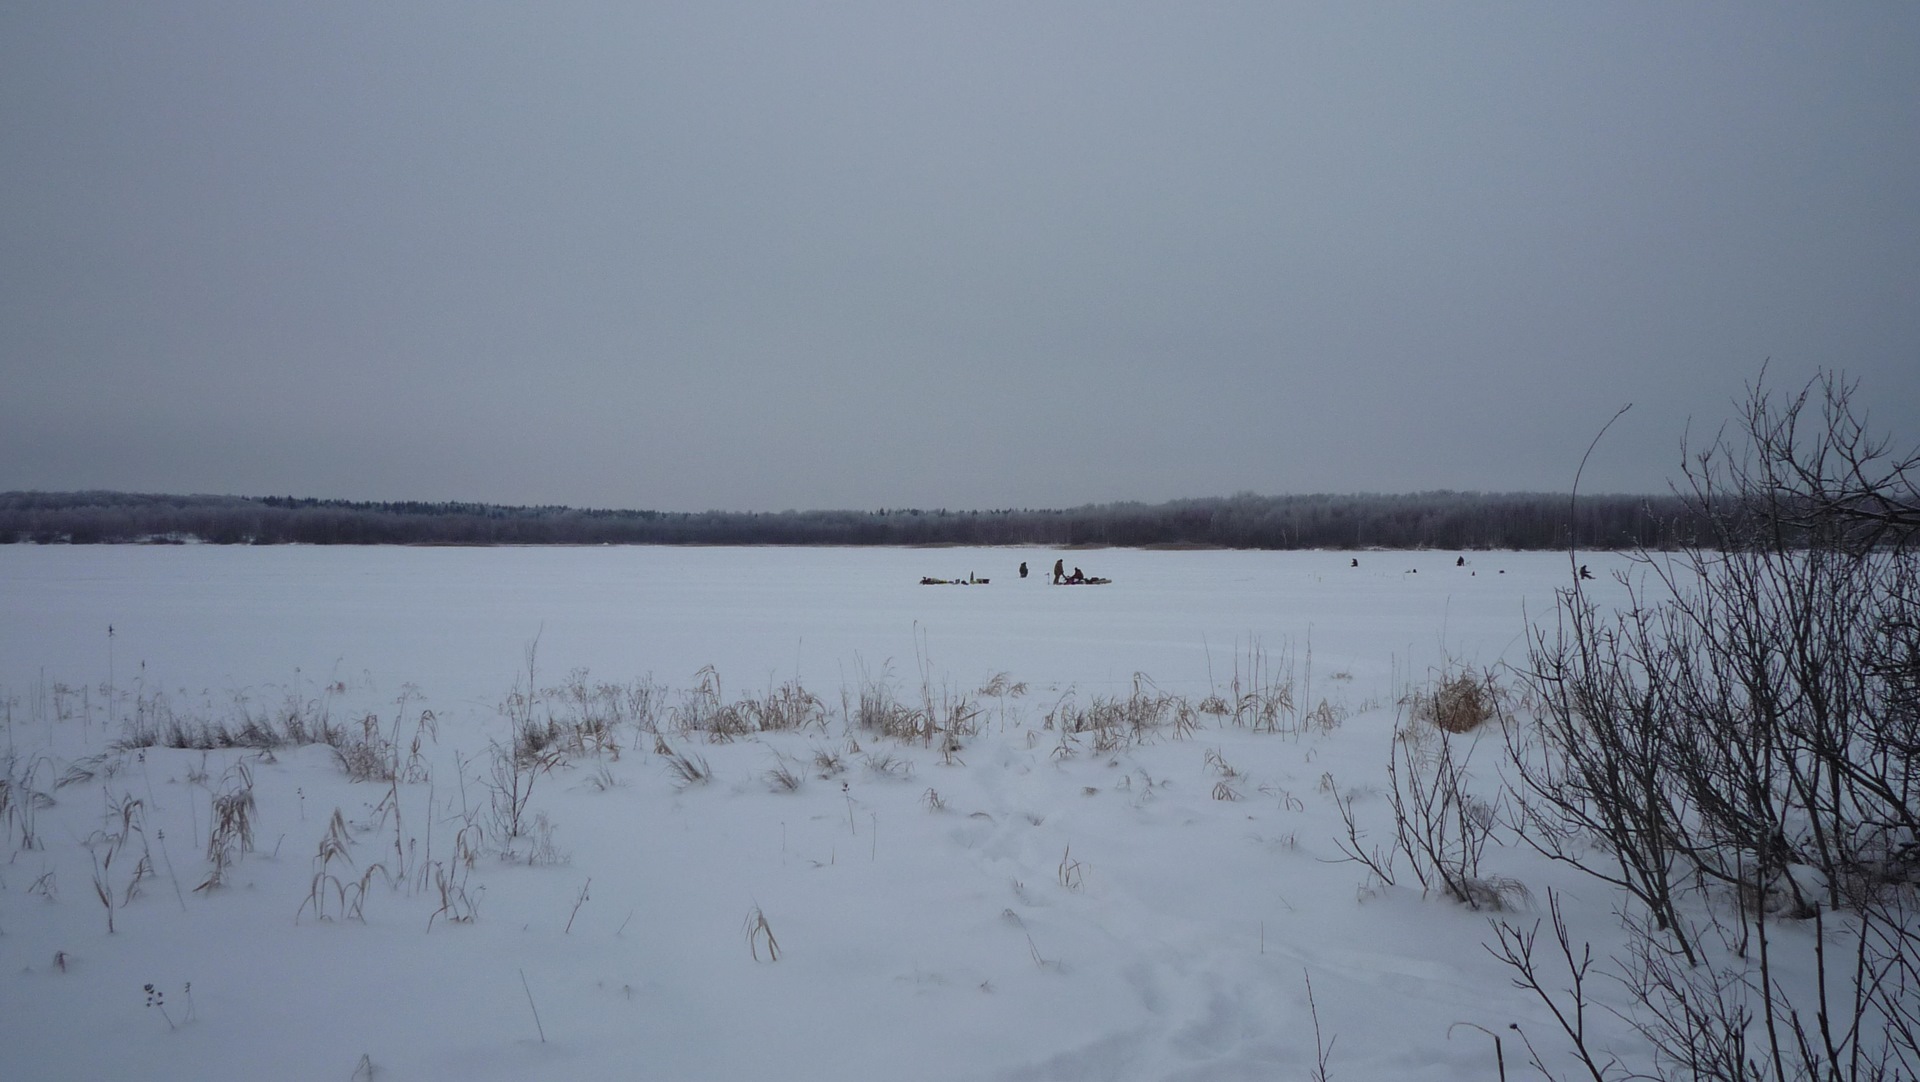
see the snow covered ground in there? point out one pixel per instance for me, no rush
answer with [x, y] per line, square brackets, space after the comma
[1025, 905]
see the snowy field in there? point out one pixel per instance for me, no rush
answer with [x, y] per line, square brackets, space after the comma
[1009, 901]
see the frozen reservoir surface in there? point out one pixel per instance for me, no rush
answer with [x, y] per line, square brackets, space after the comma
[456, 622]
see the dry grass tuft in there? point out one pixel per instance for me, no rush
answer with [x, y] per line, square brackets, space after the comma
[1326, 717]
[1458, 703]
[1215, 762]
[22, 796]
[878, 711]
[782, 779]
[704, 709]
[785, 708]
[348, 896]
[246, 724]
[232, 833]
[1497, 893]
[760, 935]
[367, 756]
[1002, 686]
[1073, 874]
[456, 905]
[1119, 723]
[1261, 692]
[885, 764]
[687, 768]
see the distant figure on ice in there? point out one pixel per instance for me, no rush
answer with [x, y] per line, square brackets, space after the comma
[1059, 572]
[1460, 562]
[1584, 573]
[1079, 577]
[1356, 561]
[1023, 569]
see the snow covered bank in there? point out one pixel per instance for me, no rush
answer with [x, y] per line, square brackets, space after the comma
[1024, 902]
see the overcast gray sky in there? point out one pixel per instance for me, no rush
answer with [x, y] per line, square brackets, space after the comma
[770, 256]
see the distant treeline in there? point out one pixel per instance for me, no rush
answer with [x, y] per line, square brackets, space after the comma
[1446, 520]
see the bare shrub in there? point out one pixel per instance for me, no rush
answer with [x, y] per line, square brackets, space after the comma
[1439, 826]
[512, 774]
[1001, 688]
[541, 848]
[641, 703]
[1743, 734]
[515, 767]
[1568, 1002]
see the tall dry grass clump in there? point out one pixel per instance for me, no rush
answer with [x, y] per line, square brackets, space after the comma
[231, 834]
[1116, 723]
[296, 722]
[879, 711]
[786, 708]
[1459, 703]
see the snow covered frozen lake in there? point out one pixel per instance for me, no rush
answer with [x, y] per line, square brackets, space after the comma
[456, 622]
[1023, 904]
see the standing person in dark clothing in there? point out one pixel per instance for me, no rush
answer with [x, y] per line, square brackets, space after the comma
[1059, 572]
[1023, 569]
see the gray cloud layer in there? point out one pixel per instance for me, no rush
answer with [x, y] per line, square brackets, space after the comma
[772, 256]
